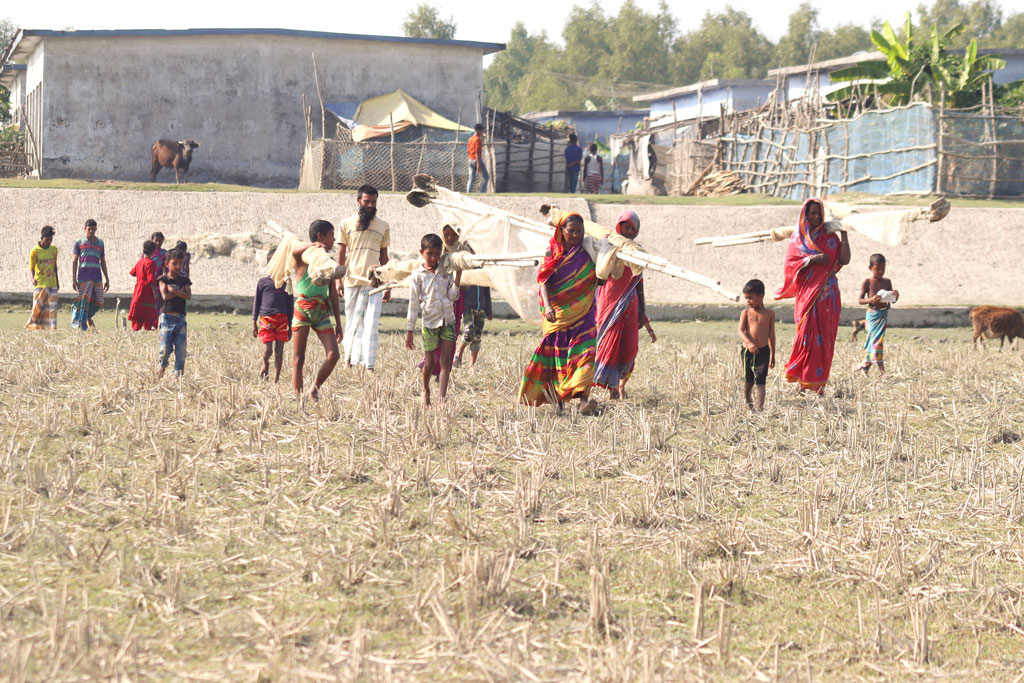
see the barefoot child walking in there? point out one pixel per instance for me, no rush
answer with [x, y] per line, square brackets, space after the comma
[42, 264]
[272, 321]
[757, 332]
[314, 306]
[175, 290]
[144, 312]
[433, 292]
[878, 295]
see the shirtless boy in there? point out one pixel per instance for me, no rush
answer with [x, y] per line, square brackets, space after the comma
[877, 294]
[757, 332]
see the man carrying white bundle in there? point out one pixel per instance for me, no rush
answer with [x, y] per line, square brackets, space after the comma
[364, 241]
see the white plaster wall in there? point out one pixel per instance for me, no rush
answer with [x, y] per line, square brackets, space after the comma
[108, 100]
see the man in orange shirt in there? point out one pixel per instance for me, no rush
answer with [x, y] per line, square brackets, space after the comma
[476, 162]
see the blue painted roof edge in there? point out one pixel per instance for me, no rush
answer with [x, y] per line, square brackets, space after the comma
[165, 33]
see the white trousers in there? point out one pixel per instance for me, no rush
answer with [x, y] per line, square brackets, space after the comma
[362, 317]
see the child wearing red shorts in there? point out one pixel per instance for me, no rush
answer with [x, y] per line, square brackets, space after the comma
[272, 321]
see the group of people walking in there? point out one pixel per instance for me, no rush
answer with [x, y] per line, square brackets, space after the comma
[590, 328]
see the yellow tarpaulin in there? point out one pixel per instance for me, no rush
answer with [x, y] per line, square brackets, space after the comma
[374, 116]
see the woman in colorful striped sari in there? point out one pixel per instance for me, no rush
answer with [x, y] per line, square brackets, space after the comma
[813, 257]
[620, 315]
[562, 367]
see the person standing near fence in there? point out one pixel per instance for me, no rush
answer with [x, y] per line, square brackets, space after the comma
[474, 150]
[593, 171]
[363, 245]
[573, 157]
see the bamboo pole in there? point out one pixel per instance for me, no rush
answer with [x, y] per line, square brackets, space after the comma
[995, 142]
[323, 111]
[391, 119]
[455, 147]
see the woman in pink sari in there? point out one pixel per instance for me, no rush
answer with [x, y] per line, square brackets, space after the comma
[620, 315]
[813, 257]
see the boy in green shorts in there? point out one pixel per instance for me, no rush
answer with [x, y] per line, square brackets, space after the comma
[314, 306]
[432, 292]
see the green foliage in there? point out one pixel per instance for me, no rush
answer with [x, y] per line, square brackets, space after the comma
[1010, 95]
[981, 19]
[912, 68]
[426, 22]
[727, 45]
[7, 31]
[607, 58]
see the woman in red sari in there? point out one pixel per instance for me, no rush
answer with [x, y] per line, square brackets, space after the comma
[620, 315]
[813, 257]
[144, 314]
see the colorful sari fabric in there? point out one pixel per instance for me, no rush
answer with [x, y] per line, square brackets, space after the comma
[562, 366]
[618, 320]
[44, 309]
[874, 344]
[144, 312]
[817, 303]
[90, 299]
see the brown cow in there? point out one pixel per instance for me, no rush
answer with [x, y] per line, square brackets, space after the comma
[996, 321]
[171, 154]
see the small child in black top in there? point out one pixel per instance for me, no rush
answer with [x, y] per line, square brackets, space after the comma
[186, 266]
[175, 290]
[272, 321]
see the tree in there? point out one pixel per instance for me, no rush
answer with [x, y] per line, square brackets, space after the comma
[1010, 35]
[803, 37]
[727, 45]
[520, 76]
[7, 31]
[842, 41]
[912, 67]
[425, 22]
[980, 19]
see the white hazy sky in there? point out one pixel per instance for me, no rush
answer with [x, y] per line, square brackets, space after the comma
[476, 20]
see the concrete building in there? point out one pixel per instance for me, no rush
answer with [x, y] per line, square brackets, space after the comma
[97, 100]
[707, 98]
[797, 80]
[593, 125]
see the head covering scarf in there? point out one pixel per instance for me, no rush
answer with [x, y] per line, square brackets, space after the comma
[556, 247]
[628, 216]
[800, 249]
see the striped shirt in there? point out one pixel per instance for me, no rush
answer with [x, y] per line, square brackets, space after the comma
[90, 256]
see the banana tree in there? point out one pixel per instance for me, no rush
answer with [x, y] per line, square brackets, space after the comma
[909, 69]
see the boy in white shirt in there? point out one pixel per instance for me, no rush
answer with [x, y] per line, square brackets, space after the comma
[432, 292]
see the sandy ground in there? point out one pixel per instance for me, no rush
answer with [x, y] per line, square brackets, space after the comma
[972, 257]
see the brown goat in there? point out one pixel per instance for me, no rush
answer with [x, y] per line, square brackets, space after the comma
[858, 327]
[996, 321]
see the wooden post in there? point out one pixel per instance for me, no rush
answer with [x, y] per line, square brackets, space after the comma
[551, 164]
[508, 155]
[391, 119]
[455, 147]
[940, 156]
[529, 169]
[423, 147]
[36, 152]
[994, 185]
[323, 114]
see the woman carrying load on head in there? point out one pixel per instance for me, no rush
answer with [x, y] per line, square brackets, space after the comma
[562, 366]
[620, 315]
[813, 257]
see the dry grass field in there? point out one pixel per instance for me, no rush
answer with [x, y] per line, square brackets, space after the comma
[217, 530]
